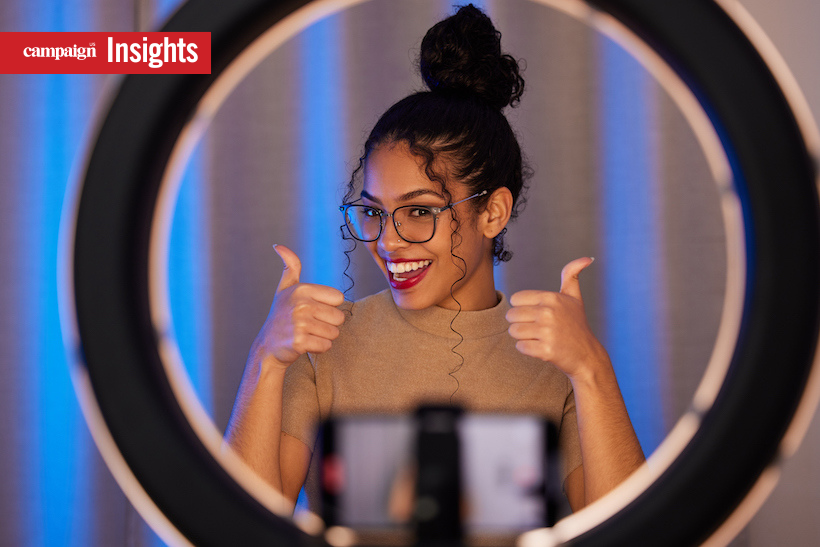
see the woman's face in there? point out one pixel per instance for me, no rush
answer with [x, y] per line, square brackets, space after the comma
[394, 177]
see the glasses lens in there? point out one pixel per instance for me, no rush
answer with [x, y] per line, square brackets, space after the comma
[363, 222]
[415, 223]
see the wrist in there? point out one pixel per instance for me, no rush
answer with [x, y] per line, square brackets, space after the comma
[265, 363]
[594, 373]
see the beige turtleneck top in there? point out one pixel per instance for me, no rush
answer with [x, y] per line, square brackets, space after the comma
[388, 360]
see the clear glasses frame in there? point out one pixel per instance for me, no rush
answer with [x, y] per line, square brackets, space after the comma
[353, 208]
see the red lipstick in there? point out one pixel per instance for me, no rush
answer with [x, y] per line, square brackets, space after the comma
[407, 279]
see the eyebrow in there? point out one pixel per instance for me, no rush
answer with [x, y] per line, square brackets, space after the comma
[406, 197]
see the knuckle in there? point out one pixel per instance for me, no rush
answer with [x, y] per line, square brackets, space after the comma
[302, 309]
[300, 289]
[549, 298]
[547, 349]
[300, 339]
[300, 324]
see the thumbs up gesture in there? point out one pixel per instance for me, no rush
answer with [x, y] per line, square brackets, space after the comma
[552, 326]
[303, 317]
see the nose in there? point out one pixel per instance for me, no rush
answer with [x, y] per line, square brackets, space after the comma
[389, 240]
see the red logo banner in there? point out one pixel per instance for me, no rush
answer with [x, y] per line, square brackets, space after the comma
[105, 52]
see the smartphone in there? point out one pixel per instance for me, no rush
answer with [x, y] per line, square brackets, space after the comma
[440, 475]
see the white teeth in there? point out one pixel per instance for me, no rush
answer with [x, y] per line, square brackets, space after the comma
[403, 267]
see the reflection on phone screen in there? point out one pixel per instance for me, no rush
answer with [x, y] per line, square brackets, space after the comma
[507, 466]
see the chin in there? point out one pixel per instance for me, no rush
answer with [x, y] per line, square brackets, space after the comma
[407, 302]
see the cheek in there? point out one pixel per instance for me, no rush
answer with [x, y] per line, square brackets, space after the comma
[466, 238]
[441, 244]
[372, 249]
[472, 249]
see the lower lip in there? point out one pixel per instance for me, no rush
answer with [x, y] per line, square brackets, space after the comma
[407, 283]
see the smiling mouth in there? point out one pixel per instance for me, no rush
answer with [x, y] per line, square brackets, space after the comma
[402, 271]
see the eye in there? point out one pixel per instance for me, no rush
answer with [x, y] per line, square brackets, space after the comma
[370, 212]
[420, 212]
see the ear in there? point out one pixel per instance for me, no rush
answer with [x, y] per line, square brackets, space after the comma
[497, 212]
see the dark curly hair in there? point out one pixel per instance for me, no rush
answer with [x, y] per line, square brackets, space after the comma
[459, 121]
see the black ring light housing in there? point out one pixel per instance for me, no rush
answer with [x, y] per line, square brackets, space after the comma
[739, 436]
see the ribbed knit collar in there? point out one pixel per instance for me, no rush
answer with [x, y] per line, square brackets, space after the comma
[469, 324]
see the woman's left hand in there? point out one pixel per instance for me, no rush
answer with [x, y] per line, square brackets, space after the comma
[552, 326]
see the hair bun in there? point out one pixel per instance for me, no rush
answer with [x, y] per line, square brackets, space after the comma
[461, 55]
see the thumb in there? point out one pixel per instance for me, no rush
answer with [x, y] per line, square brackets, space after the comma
[570, 285]
[293, 267]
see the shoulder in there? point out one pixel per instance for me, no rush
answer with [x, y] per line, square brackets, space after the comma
[370, 314]
[381, 299]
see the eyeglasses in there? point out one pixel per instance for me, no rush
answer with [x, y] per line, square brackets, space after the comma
[414, 223]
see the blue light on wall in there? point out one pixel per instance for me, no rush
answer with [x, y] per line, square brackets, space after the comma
[56, 450]
[632, 240]
[56, 456]
[321, 126]
[321, 108]
[189, 278]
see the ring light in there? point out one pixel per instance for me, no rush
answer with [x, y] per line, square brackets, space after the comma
[175, 476]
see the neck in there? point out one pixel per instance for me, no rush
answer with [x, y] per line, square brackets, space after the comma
[476, 292]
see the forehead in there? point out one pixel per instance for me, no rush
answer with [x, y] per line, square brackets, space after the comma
[392, 171]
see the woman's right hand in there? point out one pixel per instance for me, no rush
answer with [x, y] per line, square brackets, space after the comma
[303, 317]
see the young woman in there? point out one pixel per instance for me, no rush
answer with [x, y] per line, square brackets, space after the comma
[442, 176]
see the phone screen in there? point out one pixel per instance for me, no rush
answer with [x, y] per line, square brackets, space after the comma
[505, 466]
